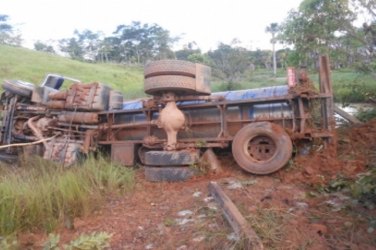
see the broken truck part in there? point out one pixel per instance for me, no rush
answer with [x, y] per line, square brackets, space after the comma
[173, 127]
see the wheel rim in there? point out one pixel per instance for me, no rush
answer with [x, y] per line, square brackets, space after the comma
[261, 148]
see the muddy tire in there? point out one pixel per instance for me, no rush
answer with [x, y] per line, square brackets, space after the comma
[170, 67]
[156, 85]
[169, 174]
[116, 100]
[19, 87]
[171, 158]
[262, 148]
[180, 77]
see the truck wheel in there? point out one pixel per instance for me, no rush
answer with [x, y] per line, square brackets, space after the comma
[181, 77]
[156, 85]
[170, 67]
[19, 87]
[170, 174]
[262, 148]
[171, 158]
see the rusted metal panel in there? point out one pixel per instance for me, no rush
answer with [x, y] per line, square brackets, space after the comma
[78, 117]
[66, 152]
[123, 153]
[56, 104]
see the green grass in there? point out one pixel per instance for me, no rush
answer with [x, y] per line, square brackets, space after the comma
[253, 79]
[351, 86]
[40, 194]
[32, 66]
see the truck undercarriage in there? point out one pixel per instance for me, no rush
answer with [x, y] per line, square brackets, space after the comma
[172, 128]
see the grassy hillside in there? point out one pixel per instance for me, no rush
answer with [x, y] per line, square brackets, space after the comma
[32, 66]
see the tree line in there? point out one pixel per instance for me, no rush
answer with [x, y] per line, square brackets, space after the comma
[315, 27]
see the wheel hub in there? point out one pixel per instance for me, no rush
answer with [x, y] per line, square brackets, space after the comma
[261, 148]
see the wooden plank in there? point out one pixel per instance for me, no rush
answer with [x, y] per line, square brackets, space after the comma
[346, 115]
[238, 223]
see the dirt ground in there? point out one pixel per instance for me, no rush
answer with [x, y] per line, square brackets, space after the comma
[288, 210]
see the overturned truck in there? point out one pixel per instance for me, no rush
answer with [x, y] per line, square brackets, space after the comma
[169, 131]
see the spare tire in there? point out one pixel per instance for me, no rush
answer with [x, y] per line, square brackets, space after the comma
[170, 67]
[180, 77]
[262, 148]
[19, 87]
[156, 85]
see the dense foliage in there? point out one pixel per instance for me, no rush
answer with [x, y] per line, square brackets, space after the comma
[332, 27]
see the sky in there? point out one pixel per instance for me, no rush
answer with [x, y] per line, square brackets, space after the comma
[206, 22]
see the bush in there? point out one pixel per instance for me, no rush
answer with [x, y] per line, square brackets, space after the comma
[367, 115]
[364, 188]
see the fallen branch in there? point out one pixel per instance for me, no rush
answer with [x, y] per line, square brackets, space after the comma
[27, 143]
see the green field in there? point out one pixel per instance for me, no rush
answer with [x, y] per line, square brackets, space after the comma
[32, 66]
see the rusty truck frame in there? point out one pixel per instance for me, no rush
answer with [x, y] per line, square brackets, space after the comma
[262, 126]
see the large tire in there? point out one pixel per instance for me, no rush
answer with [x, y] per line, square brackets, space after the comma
[262, 148]
[19, 87]
[170, 67]
[180, 77]
[171, 158]
[156, 85]
[170, 174]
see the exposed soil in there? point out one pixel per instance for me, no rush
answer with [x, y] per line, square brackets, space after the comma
[286, 209]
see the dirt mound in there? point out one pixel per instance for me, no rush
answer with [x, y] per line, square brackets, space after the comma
[353, 154]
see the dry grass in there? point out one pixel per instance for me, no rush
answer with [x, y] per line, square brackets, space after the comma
[268, 224]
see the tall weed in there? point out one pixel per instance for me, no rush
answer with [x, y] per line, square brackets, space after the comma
[41, 194]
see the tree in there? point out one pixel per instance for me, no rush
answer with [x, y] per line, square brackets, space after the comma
[273, 29]
[7, 35]
[138, 42]
[72, 47]
[40, 46]
[365, 36]
[188, 50]
[261, 58]
[83, 45]
[315, 27]
[89, 42]
[231, 60]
